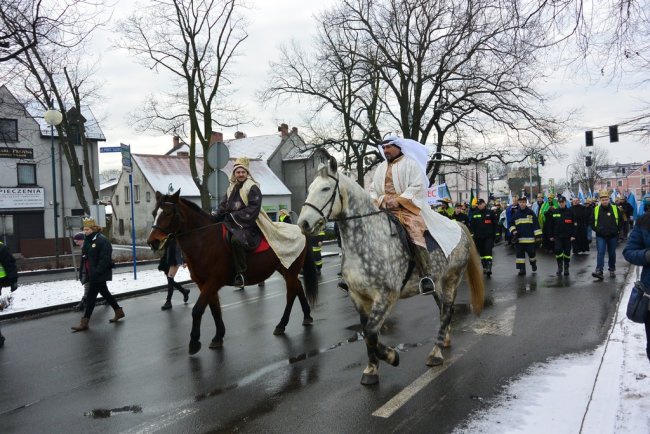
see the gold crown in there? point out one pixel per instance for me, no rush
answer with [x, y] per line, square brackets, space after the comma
[603, 193]
[88, 222]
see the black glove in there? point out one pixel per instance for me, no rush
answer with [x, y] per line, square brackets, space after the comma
[14, 286]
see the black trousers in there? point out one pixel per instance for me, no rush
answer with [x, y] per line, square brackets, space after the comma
[563, 249]
[521, 250]
[93, 290]
[484, 246]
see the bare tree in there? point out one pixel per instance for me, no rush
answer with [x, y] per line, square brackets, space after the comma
[50, 64]
[195, 42]
[589, 176]
[458, 75]
[19, 17]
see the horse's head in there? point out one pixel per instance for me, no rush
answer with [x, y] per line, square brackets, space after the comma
[323, 199]
[166, 220]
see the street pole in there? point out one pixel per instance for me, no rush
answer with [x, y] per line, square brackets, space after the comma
[54, 117]
[530, 177]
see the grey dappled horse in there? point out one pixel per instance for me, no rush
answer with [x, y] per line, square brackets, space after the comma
[375, 263]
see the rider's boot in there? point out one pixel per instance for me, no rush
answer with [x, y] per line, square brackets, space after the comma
[425, 268]
[239, 263]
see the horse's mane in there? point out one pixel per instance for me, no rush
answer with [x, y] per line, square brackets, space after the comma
[194, 206]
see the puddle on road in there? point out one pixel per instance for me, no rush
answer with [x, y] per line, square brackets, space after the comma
[101, 413]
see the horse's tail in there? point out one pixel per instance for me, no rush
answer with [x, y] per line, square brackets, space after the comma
[310, 274]
[474, 274]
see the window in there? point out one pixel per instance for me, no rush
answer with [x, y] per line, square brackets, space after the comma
[117, 199]
[136, 193]
[619, 182]
[81, 175]
[642, 181]
[8, 130]
[147, 195]
[121, 227]
[609, 184]
[26, 174]
[127, 196]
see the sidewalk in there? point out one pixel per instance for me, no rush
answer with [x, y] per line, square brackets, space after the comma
[606, 391]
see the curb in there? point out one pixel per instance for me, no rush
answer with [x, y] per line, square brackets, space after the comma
[69, 269]
[53, 309]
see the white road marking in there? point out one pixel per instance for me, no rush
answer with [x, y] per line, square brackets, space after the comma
[409, 391]
[501, 325]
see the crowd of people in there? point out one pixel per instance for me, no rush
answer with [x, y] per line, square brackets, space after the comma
[552, 224]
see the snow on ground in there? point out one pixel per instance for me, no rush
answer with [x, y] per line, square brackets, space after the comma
[43, 294]
[607, 391]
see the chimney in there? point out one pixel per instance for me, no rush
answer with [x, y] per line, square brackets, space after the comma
[216, 137]
[294, 130]
[176, 142]
[284, 130]
[240, 135]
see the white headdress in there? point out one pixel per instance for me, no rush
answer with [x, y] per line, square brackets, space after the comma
[411, 149]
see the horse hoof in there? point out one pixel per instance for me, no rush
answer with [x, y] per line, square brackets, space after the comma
[446, 343]
[216, 343]
[308, 321]
[395, 360]
[369, 379]
[195, 346]
[279, 331]
[434, 361]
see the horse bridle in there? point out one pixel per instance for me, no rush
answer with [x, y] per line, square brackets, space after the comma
[331, 200]
[177, 216]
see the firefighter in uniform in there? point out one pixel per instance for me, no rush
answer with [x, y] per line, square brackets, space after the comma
[317, 247]
[562, 234]
[285, 217]
[525, 231]
[483, 226]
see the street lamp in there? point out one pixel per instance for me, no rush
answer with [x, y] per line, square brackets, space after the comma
[53, 118]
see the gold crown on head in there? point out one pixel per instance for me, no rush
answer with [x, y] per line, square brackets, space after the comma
[603, 193]
[241, 162]
[88, 222]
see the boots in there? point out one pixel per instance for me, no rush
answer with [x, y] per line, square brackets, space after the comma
[566, 268]
[119, 314]
[423, 262]
[488, 271]
[484, 265]
[166, 306]
[598, 274]
[83, 325]
[559, 267]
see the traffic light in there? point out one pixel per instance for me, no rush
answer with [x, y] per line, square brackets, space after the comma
[589, 138]
[588, 161]
[613, 133]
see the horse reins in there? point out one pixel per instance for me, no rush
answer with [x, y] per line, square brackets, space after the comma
[178, 233]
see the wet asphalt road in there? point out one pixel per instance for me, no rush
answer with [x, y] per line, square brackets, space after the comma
[136, 376]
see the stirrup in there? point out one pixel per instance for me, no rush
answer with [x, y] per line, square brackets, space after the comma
[239, 282]
[426, 286]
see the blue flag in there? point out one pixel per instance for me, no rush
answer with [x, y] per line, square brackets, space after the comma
[631, 199]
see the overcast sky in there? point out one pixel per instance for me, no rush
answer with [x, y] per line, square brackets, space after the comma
[127, 83]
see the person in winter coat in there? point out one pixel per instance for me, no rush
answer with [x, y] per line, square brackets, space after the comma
[459, 215]
[637, 252]
[606, 221]
[97, 269]
[78, 239]
[8, 274]
[169, 264]
[483, 226]
[562, 234]
[580, 222]
[526, 233]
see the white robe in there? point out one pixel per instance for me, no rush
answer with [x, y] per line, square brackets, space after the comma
[409, 184]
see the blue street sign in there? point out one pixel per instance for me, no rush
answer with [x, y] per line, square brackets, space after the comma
[110, 149]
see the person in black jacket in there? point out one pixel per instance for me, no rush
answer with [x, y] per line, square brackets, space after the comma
[580, 222]
[459, 215]
[562, 234]
[169, 264]
[606, 221]
[526, 233]
[96, 268]
[8, 274]
[483, 227]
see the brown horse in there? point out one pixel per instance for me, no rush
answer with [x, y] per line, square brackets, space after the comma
[209, 261]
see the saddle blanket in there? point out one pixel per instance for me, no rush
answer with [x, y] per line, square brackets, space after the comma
[263, 246]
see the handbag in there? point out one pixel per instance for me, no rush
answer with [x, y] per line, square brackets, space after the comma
[637, 305]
